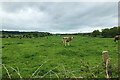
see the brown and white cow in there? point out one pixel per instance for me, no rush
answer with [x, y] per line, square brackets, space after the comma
[20, 37]
[117, 38]
[67, 39]
[46, 37]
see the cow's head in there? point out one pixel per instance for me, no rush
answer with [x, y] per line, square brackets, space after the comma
[72, 38]
[116, 38]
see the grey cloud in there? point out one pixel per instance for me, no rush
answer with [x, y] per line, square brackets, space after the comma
[55, 16]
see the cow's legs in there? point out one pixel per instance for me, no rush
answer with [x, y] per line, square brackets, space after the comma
[65, 42]
[68, 43]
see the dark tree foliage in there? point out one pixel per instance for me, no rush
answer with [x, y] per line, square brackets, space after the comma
[107, 33]
[112, 32]
[9, 35]
[118, 32]
[4, 36]
[96, 33]
[24, 34]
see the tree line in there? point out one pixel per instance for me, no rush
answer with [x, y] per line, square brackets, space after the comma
[107, 32]
[16, 34]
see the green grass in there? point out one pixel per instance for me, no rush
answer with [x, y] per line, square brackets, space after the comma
[29, 54]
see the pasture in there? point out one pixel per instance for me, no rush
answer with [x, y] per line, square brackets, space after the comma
[83, 58]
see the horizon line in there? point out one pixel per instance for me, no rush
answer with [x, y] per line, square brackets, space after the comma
[47, 31]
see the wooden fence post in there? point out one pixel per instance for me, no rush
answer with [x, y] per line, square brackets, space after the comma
[106, 60]
[105, 55]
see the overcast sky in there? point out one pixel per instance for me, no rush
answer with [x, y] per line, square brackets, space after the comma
[58, 17]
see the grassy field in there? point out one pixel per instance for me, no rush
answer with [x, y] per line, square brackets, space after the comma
[83, 58]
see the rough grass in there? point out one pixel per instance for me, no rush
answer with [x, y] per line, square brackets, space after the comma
[29, 54]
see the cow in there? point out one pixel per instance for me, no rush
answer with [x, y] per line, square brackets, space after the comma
[9, 37]
[117, 38]
[67, 39]
[20, 37]
[46, 37]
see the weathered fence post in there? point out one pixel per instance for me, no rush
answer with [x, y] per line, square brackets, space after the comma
[105, 55]
[106, 60]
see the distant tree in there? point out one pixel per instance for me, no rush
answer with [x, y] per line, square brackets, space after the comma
[95, 33]
[4, 36]
[113, 32]
[12, 36]
[118, 30]
[105, 32]
[30, 36]
[9, 35]
[109, 33]
[35, 35]
[24, 36]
